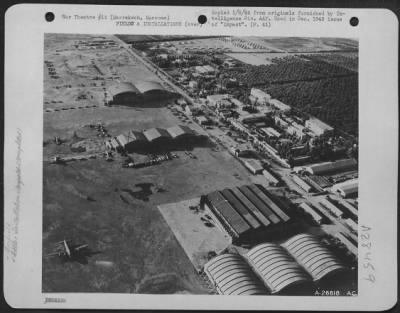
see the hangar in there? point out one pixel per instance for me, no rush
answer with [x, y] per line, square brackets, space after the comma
[233, 276]
[315, 258]
[128, 93]
[154, 138]
[297, 267]
[182, 133]
[151, 91]
[124, 93]
[277, 268]
[246, 213]
[156, 135]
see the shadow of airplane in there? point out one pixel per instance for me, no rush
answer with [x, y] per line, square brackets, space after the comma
[80, 256]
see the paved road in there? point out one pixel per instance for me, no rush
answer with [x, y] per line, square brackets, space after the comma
[154, 68]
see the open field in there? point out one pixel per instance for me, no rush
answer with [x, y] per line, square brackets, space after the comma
[185, 220]
[114, 209]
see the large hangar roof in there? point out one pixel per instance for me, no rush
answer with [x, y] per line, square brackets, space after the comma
[313, 256]
[146, 86]
[180, 131]
[124, 87]
[232, 275]
[134, 135]
[153, 134]
[277, 268]
[228, 212]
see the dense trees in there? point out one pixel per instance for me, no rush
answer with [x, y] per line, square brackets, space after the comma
[333, 100]
[288, 69]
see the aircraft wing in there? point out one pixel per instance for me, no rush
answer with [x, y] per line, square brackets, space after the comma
[53, 254]
[62, 242]
[81, 247]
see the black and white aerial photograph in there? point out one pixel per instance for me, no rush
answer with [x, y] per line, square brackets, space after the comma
[203, 165]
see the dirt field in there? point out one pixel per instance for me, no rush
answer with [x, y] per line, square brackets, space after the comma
[185, 219]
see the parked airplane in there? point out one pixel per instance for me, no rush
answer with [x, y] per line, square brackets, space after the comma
[65, 249]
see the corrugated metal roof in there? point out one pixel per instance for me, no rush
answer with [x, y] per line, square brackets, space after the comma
[313, 256]
[278, 269]
[250, 206]
[238, 206]
[228, 212]
[232, 275]
[262, 207]
[267, 200]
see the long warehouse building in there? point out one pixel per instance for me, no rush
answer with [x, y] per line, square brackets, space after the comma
[247, 213]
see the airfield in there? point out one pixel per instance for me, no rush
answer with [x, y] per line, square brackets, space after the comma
[145, 230]
[114, 209]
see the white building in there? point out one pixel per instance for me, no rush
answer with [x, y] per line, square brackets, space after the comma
[279, 105]
[260, 96]
[271, 132]
[193, 84]
[218, 100]
[254, 166]
[296, 129]
[308, 209]
[318, 127]
[347, 189]
[206, 69]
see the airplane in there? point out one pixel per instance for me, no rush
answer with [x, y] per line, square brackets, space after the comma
[65, 249]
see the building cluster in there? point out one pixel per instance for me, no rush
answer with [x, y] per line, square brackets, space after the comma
[157, 138]
[290, 268]
[318, 177]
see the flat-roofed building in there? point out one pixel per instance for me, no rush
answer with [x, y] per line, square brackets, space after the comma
[254, 166]
[331, 207]
[352, 224]
[271, 132]
[318, 127]
[296, 129]
[347, 189]
[216, 100]
[203, 120]
[314, 214]
[301, 183]
[281, 122]
[260, 97]
[279, 105]
[351, 246]
[272, 180]
[352, 210]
